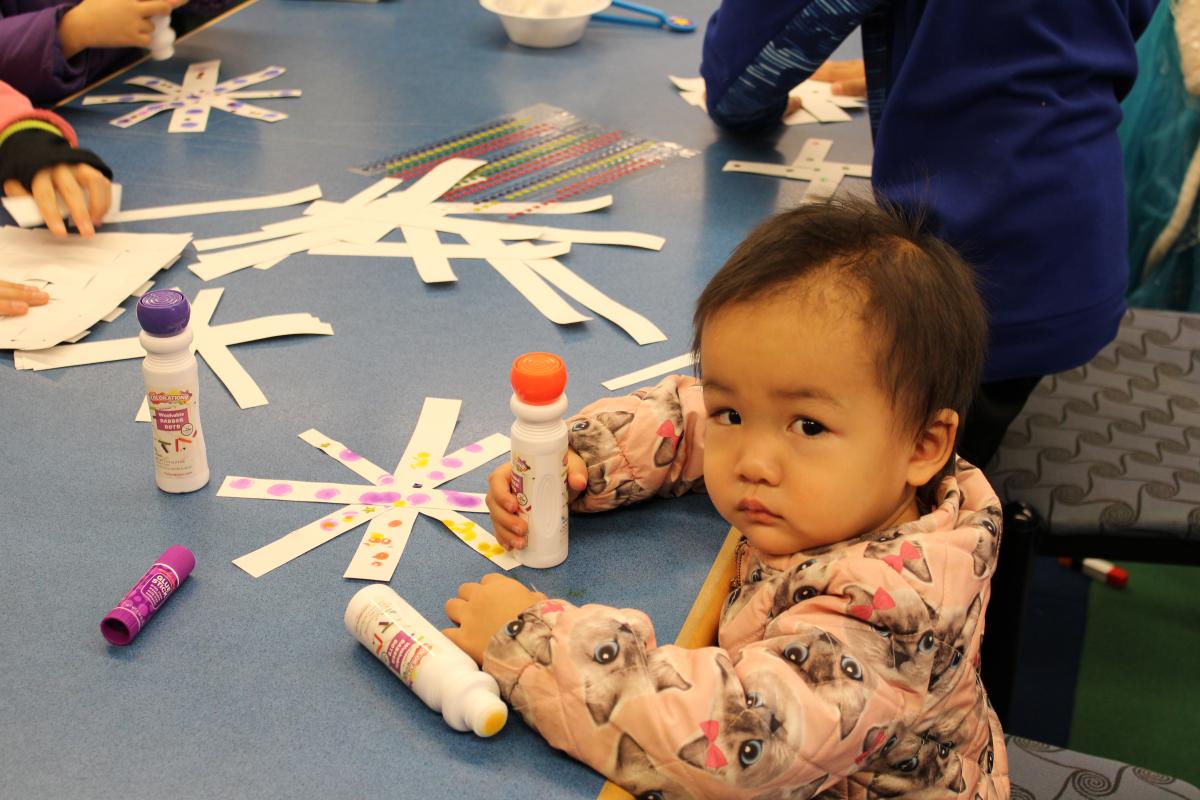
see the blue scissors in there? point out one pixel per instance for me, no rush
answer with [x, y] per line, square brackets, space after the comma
[654, 18]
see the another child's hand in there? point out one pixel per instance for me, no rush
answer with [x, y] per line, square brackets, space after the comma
[849, 78]
[483, 608]
[110, 23]
[509, 528]
[16, 298]
[68, 181]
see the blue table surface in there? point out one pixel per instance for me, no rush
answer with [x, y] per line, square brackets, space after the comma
[245, 687]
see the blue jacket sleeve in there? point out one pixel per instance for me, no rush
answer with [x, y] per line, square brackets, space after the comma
[755, 51]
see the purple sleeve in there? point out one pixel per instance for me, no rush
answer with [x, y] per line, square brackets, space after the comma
[31, 56]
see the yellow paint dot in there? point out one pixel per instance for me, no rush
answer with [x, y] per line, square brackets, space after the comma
[399, 504]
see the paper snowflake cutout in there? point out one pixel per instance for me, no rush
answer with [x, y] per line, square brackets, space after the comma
[356, 226]
[190, 103]
[210, 342]
[391, 503]
[819, 103]
[823, 176]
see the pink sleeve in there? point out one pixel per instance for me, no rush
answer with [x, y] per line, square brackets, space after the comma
[647, 443]
[690, 723]
[15, 107]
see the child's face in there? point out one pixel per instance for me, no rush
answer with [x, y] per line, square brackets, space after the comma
[803, 447]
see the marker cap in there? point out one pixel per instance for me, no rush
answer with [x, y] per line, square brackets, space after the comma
[538, 378]
[164, 312]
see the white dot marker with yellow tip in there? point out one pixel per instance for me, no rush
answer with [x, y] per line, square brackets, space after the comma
[420, 655]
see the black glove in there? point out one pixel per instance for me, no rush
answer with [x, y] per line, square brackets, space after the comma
[26, 152]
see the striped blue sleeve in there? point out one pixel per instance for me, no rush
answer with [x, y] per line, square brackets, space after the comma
[757, 50]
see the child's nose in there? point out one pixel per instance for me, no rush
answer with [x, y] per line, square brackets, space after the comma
[757, 463]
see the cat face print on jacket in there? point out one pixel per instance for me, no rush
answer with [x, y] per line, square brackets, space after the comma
[989, 521]
[915, 765]
[835, 674]
[903, 554]
[745, 742]
[637, 774]
[595, 439]
[613, 664]
[527, 634]
[664, 399]
[953, 630]
[896, 633]
[806, 580]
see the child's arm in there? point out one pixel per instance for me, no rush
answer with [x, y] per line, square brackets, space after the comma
[110, 23]
[38, 155]
[623, 449]
[755, 51]
[802, 707]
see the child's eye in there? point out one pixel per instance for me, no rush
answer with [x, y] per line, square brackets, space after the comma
[727, 417]
[808, 427]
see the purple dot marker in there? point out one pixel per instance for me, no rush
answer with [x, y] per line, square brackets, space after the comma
[279, 489]
[241, 483]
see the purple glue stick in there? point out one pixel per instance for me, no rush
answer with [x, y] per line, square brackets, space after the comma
[121, 625]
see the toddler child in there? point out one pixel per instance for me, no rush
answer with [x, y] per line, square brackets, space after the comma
[838, 347]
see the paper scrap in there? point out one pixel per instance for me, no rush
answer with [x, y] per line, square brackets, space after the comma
[647, 373]
[818, 102]
[25, 212]
[823, 176]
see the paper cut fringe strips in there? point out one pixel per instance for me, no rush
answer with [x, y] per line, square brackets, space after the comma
[200, 92]
[356, 226]
[211, 342]
[390, 504]
[823, 176]
[820, 104]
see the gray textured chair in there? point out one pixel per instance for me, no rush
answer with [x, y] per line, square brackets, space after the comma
[1041, 772]
[1103, 461]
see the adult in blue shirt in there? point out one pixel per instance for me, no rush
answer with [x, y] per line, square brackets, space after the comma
[1001, 119]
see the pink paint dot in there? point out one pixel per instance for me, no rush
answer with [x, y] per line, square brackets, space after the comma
[475, 447]
[437, 475]
[279, 489]
[453, 463]
[241, 483]
[460, 499]
[380, 498]
[325, 494]
[386, 480]
[349, 455]
[418, 499]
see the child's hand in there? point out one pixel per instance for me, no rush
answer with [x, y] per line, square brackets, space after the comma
[508, 528]
[68, 182]
[483, 608]
[848, 77]
[16, 298]
[110, 23]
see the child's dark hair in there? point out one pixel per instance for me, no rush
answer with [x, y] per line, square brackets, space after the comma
[916, 291]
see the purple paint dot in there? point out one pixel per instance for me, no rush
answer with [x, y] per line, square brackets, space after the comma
[241, 483]
[474, 447]
[235, 104]
[155, 107]
[437, 475]
[279, 489]
[349, 455]
[177, 104]
[188, 125]
[125, 98]
[325, 494]
[271, 73]
[453, 463]
[418, 499]
[194, 111]
[219, 90]
[460, 499]
[379, 498]
[270, 115]
[239, 80]
[385, 480]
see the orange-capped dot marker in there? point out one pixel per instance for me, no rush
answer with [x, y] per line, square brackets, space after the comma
[538, 378]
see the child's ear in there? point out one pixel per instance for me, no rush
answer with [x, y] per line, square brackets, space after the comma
[933, 447]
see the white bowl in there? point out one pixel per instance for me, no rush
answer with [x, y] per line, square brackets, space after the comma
[544, 23]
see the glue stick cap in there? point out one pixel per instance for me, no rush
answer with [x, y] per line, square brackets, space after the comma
[180, 559]
[538, 378]
[164, 312]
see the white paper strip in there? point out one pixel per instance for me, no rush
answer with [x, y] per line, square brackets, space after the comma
[430, 436]
[382, 546]
[301, 540]
[348, 493]
[475, 536]
[25, 212]
[350, 459]
[641, 329]
[675, 364]
[219, 206]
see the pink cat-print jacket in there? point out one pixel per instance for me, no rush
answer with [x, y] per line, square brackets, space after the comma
[849, 671]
